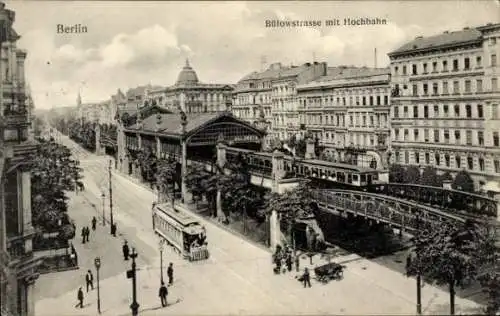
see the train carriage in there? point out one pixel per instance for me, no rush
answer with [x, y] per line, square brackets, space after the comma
[180, 230]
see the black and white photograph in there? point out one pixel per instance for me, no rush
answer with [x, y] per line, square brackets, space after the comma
[249, 157]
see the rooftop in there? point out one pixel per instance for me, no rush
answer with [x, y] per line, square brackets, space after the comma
[171, 122]
[276, 70]
[466, 35]
[187, 76]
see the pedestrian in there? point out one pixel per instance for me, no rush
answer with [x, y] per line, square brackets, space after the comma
[83, 235]
[170, 273]
[163, 294]
[297, 263]
[80, 298]
[94, 223]
[125, 250]
[289, 262]
[89, 279]
[306, 278]
[408, 264]
[87, 233]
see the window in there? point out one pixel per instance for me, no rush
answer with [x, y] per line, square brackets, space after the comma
[378, 100]
[405, 112]
[435, 88]
[415, 111]
[497, 166]
[404, 70]
[407, 158]
[456, 87]
[434, 66]
[396, 111]
[480, 111]
[386, 100]
[481, 164]
[493, 41]
[468, 138]
[493, 60]
[415, 135]
[445, 110]
[457, 136]
[414, 69]
[445, 65]
[417, 157]
[455, 65]
[436, 111]
[479, 85]
[437, 159]
[436, 136]
[494, 84]
[396, 134]
[425, 68]
[494, 111]
[446, 136]
[396, 70]
[405, 136]
[447, 160]
[467, 86]
[371, 100]
[364, 100]
[496, 140]
[468, 111]
[426, 111]
[480, 138]
[427, 158]
[470, 163]
[466, 63]
[425, 89]
[445, 87]
[478, 62]
[415, 90]
[457, 110]
[426, 135]
[458, 161]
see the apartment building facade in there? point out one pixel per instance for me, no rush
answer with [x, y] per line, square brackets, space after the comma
[18, 266]
[348, 112]
[445, 99]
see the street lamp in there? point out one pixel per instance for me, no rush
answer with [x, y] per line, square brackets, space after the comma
[97, 263]
[103, 196]
[132, 274]
[160, 247]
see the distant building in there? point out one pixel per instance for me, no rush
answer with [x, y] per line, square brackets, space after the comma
[271, 95]
[192, 96]
[18, 266]
[348, 112]
[445, 101]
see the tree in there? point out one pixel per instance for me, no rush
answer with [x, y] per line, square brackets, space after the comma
[165, 178]
[54, 171]
[430, 177]
[463, 182]
[396, 174]
[291, 206]
[300, 148]
[447, 256]
[411, 175]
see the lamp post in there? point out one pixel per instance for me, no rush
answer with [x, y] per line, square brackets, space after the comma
[132, 274]
[103, 196]
[160, 247]
[113, 230]
[97, 263]
[419, 277]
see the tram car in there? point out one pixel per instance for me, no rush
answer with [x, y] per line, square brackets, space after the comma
[337, 175]
[182, 231]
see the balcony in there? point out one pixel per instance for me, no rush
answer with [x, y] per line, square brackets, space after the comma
[16, 246]
[15, 117]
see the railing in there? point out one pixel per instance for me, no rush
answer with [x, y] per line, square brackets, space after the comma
[16, 248]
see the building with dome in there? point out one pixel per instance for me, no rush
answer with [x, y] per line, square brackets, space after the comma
[192, 96]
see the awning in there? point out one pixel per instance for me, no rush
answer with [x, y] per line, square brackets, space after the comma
[491, 186]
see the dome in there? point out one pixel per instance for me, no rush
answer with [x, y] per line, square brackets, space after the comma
[187, 76]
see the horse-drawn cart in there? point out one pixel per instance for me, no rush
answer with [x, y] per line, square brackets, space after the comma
[329, 271]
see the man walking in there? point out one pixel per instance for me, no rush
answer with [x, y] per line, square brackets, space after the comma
[87, 233]
[125, 250]
[94, 223]
[83, 234]
[80, 298]
[89, 279]
[170, 273]
[163, 294]
[306, 278]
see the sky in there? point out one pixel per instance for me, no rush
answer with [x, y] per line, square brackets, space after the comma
[135, 43]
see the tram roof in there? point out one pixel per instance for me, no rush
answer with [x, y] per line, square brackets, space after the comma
[179, 215]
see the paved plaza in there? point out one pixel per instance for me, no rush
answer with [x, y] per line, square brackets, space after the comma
[236, 279]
